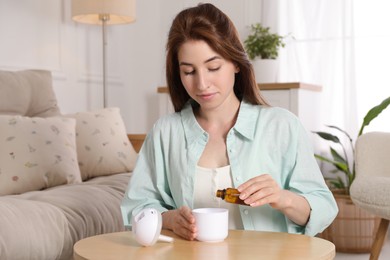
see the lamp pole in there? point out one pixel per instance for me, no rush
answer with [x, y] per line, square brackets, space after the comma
[104, 12]
[104, 18]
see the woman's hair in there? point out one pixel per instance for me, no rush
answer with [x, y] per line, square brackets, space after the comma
[207, 23]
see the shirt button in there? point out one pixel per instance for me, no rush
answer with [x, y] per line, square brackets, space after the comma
[238, 178]
[246, 212]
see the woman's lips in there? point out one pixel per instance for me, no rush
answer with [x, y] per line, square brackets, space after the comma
[207, 96]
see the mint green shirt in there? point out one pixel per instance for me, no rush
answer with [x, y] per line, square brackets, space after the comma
[264, 140]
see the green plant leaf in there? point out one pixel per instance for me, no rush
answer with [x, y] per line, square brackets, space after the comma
[338, 184]
[336, 156]
[373, 113]
[351, 178]
[342, 166]
[328, 137]
[341, 130]
[334, 171]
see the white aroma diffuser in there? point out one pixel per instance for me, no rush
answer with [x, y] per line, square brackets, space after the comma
[146, 227]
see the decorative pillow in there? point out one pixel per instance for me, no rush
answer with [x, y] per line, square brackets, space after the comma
[36, 153]
[102, 144]
[27, 93]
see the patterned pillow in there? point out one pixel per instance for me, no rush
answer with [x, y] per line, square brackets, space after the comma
[36, 153]
[102, 144]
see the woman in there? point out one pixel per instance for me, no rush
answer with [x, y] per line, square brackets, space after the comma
[223, 134]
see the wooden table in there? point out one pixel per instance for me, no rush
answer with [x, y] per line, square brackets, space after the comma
[238, 245]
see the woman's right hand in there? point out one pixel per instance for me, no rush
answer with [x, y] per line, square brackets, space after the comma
[181, 222]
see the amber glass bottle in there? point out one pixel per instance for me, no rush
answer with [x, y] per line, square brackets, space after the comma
[230, 195]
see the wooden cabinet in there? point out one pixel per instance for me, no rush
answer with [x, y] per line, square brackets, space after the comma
[300, 98]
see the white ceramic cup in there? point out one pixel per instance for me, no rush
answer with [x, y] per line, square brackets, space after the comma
[211, 224]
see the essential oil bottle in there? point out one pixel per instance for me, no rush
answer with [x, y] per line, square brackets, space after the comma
[230, 195]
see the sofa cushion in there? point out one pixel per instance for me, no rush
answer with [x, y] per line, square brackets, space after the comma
[46, 224]
[27, 93]
[103, 147]
[36, 153]
[33, 230]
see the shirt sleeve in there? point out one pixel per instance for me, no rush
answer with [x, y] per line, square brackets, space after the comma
[147, 187]
[308, 181]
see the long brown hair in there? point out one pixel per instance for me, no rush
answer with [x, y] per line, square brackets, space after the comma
[207, 23]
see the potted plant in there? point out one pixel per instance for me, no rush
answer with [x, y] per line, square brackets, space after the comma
[353, 229]
[341, 162]
[262, 47]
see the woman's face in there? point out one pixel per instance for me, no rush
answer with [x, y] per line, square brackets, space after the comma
[207, 77]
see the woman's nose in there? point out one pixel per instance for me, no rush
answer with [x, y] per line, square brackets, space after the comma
[202, 82]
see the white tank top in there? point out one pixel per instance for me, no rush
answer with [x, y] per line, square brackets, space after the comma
[207, 182]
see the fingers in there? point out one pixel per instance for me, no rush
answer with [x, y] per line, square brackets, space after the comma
[255, 184]
[265, 196]
[186, 213]
[254, 180]
[185, 223]
[260, 190]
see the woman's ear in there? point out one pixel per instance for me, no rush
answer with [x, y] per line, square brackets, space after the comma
[237, 69]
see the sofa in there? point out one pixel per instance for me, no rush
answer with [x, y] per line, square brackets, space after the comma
[62, 177]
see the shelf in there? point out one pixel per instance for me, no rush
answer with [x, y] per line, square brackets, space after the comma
[272, 86]
[289, 85]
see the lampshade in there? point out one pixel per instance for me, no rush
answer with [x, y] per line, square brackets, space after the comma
[90, 11]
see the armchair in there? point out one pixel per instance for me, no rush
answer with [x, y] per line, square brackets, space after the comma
[371, 187]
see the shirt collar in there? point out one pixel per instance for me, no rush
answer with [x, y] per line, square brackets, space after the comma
[192, 130]
[246, 120]
[245, 124]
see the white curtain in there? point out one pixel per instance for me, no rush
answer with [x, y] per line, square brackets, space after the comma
[341, 45]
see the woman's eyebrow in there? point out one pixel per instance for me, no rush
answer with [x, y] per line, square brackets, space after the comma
[212, 58]
[183, 63]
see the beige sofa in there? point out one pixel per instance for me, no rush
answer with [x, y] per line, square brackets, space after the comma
[62, 177]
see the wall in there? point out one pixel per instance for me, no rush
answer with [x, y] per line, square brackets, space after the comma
[40, 34]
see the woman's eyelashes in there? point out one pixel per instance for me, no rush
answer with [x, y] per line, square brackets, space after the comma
[214, 69]
[187, 73]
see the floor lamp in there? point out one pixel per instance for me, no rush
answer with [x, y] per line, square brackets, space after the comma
[103, 12]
